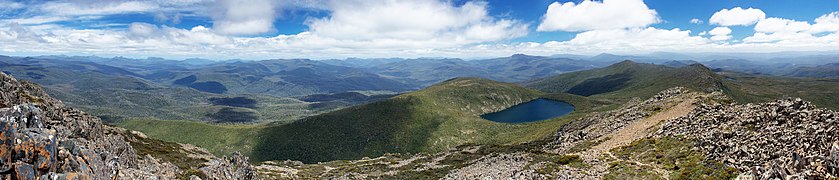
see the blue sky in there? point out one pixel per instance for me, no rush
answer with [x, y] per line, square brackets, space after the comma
[260, 29]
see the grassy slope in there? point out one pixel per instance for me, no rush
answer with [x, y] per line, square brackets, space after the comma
[439, 117]
[219, 139]
[628, 79]
[755, 88]
[433, 119]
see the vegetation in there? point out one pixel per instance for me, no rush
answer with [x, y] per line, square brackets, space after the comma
[673, 154]
[431, 120]
[434, 119]
[221, 140]
[745, 88]
[628, 79]
[165, 151]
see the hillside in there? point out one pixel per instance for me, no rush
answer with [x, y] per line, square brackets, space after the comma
[433, 119]
[520, 67]
[436, 118]
[823, 71]
[426, 72]
[117, 93]
[629, 79]
[293, 77]
[44, 139]
[675, 134]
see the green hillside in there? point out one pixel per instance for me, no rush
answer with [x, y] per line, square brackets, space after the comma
[629, 79]
[436, 118]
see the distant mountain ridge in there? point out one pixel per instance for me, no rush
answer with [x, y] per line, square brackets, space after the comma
[629, 79]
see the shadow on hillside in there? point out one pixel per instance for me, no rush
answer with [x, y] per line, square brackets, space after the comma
[600, 85]
[366, 131]
[232, 115]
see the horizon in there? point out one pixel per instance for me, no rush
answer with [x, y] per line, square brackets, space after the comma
[700, 57]
[466, 29]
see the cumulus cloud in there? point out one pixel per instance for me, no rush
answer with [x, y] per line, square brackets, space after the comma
[238, 18]
[737, 17]
[593, 15]
[636, 38]
[405, 28]
[790, 32]
[720, 33]
[411, 22]
[826, 23]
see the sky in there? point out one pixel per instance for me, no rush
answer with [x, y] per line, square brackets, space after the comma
[322, 29]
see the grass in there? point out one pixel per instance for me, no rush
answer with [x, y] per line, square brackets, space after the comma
[221, 140]
[628, 79]
[756, 88]
[434, 119]
[674, 154]
[430, 120]
[165, 151]
[622, 81]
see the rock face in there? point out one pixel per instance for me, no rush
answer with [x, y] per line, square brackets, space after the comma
[782, 139]
[42, 138]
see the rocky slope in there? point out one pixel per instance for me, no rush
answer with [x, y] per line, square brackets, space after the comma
[782, 139]
[41, 138]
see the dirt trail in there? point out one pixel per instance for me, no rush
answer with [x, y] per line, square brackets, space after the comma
[634, 131]
[638, 129]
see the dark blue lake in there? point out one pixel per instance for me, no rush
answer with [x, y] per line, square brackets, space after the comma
[536, 110]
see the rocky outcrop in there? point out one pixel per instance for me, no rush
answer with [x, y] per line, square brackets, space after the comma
[42, 138]
[786, 139]
[511, 166]
[236, 167]
[594, 126]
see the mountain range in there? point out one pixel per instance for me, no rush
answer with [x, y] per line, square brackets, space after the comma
[298, 130]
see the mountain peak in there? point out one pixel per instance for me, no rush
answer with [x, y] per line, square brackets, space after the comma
[521, 56]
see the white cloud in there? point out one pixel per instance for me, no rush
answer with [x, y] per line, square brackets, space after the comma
[788, 32]
[720, 33]
[593, 15]
[412, 23]
[36, 20]
[6, 5]
[97, 8]
[388, 28]
[637, 38]
[696, 21]
[761, 37]
[737, 17]
[772, 25]
[16, 32]
[238, 18]
[826, 23]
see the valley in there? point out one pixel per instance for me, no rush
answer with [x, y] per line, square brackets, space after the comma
[419, 90]
[444, 119]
